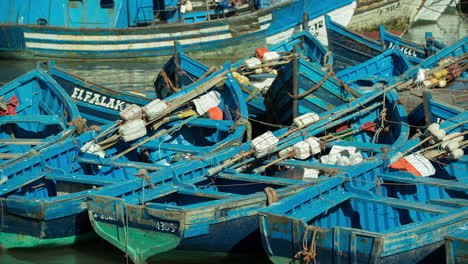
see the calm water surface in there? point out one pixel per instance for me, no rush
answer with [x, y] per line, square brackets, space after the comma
[138, 76]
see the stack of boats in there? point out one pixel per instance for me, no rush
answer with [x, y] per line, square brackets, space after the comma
[302, 149]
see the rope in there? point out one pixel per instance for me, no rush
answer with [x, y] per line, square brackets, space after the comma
[309, 253]
[80, 124]
[315, 87]
[272, 196]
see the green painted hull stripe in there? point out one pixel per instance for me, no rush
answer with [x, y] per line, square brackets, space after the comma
[9, 240]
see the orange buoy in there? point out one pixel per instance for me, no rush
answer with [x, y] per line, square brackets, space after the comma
[260, 51]
[215, 113]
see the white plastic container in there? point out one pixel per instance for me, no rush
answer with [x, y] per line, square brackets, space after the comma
[285, 152]
[265, 143]
[207, 101]
[252, 62]
[155, 109]
[270, 56]
[305, 120]
[314, 144]
[302, 150]
[264, 85]
[92, 148]
[310, 174]
[131, 112]
[133, 130]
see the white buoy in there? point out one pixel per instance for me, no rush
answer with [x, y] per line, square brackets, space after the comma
[265, 143]
[457, 154]
[305, 120]
[302, 150]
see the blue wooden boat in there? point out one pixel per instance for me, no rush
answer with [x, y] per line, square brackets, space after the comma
[376, 72]
[351, 48]
[456, 53]
[334, 225]
[97, 160]
[42, 197]
[127, 29]
[197, 216]
[179, 71]
[34, 113]
[99, 105]
[437, 158]
[456, 246]
[255, 79]
[304, 87]
[182, 70]
[194, 215]
[201, 118]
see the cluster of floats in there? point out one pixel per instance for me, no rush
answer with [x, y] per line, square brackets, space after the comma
[304, 149]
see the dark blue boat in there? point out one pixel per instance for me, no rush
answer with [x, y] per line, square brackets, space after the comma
[42, 197]
[376, 72]
[34, 113]
[59, 178]
[97, 104]
[257, 73]
[254, 80]
[351, 48]
[335, 225]
[304, 87]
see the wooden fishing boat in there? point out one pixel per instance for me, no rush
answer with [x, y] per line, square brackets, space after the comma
[351, 48]
[201, 118]
[193, 218]
[456, 246]
[121, 29]
[335, 225]
[62, 175]
[99, 105]
[253, 74]
[395, 14]
[304, 87]
[454, 58]
[376, 72]
[34, 113]
[257, 72]
[197, 216]
[431, 11]
[41, 198]
[439, 153]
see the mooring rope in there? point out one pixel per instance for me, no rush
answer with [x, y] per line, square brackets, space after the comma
[309, 253]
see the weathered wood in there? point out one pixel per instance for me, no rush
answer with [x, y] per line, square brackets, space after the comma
[21, 141]
[10, 155]
[109, 162]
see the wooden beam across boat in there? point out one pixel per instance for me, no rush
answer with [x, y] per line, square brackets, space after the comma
[20, 141]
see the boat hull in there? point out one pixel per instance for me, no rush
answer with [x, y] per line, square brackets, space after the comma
[266, 26]
[20, 232]
[394, 14]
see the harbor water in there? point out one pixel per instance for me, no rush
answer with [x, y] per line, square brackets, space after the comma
[138, 76]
